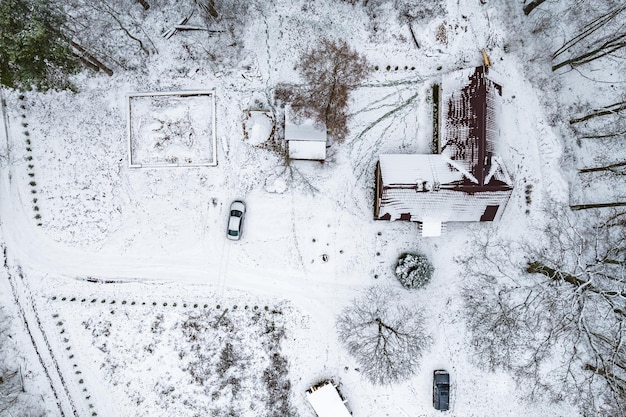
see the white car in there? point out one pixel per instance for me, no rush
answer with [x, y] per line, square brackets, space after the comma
[235, 220]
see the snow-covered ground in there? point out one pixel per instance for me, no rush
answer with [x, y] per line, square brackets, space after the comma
[116, 261]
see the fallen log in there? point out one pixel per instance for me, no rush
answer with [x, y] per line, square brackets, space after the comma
[92, 59]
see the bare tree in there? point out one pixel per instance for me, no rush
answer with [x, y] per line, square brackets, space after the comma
[384, 335]
[616, 168]
[528, 8]
[106, 34]
[598, 205]
[555, 312]
[418, 11]
[602, 36]
[611, 109]
[226, 22]
[330, 71]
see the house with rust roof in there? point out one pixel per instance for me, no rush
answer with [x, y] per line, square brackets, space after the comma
[465, 181]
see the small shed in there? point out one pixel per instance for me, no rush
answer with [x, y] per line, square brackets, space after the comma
[306, 139]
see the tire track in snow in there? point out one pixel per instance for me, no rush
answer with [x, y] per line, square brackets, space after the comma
[50, 366]
[295, 235]
[45, 356]
[221, 283]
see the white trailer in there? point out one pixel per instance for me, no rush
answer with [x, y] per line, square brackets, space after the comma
[327, 401]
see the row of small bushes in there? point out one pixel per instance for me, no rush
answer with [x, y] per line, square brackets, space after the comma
[29, 158]
[154, 303]
[528, 192]
[77, 372]
[395, 68]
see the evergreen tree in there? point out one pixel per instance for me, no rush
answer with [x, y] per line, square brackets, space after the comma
[34, 53]
[414, 270]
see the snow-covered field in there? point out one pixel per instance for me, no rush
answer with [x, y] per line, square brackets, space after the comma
[146, 309]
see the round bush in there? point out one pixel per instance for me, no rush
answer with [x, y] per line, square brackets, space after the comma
[414, 270]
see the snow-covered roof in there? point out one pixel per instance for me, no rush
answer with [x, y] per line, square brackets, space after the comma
[406, 169]
[326, 402]
[305, 129]
[436, 189]
[258, 126]
[467, 181]
[306, 149]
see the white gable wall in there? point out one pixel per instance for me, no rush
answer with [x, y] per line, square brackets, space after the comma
[307, 149]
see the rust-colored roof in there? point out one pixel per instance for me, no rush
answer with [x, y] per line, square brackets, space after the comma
[467, 181]
[470, 129]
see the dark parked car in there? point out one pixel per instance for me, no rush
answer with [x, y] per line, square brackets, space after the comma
[235, 220]
[441, 390]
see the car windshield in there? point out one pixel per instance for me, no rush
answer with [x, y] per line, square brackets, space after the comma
[236, 213]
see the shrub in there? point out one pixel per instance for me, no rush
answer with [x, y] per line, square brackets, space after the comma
[414, 270]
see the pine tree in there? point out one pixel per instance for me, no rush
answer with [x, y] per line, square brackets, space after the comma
[34, 53]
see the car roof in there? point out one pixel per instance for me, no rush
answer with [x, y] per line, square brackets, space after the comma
[233, 223]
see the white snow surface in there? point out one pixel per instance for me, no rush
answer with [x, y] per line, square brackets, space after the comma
[157, 236]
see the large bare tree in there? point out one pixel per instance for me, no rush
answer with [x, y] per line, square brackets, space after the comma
[553, 311]
[385, 335]
[603, 35]
[330, 71]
